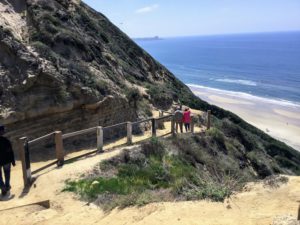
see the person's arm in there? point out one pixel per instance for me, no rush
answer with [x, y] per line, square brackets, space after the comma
[11, 154]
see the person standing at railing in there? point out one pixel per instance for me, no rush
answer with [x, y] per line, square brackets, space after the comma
[178, 118]
[187, 119]
[6, 159]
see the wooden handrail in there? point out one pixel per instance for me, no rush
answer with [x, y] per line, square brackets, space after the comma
[115, 125]
[142, 121]
[165, 117]
[68, 135]
[40, 138]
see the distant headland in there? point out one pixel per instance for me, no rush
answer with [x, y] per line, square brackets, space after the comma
[155, 38]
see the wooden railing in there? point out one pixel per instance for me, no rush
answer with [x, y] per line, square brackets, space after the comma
[59, 137]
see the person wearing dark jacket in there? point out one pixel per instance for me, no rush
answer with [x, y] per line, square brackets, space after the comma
[7, 159]
[178, 117]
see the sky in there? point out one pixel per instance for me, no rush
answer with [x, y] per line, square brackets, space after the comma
[171, 18]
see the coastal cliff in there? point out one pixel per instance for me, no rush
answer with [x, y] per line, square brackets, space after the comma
[65, 66]
[62, 63]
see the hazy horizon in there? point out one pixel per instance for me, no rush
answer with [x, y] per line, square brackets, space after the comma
[220, 34]
[149, 18]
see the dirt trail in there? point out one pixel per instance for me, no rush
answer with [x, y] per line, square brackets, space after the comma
[256, 205]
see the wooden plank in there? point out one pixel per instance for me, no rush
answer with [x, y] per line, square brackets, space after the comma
[115, 125]
[100, 139]
[164, 117]
[40, 138]
[153, 127]
[25, 161]
[192, 125]
[68, 135]
[59, 148]
[129, 133]
[208, 119]
[142, 121]
[173, 126]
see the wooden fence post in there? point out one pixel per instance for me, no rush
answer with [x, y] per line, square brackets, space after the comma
[59, 148]
[153, 127]
[160, 123]
[99, 139]
[192, 124]
[25, 160]
[161, 113]
[173, 125]
[129, 133]
[208, 119]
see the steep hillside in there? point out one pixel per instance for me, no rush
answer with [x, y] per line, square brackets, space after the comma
[65, 66]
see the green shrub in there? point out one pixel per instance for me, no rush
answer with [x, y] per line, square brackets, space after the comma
[153, 148]
[218, 137]
[134, 96]
[45, 51]
[161, 96]
[144, 106]
[260, 164]
[69, 38]
[48, 17]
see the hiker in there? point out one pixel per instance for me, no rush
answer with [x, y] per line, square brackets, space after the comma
[178, 117]
[6, 159]
[187, 119]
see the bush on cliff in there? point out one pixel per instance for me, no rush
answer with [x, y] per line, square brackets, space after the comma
[189, 167]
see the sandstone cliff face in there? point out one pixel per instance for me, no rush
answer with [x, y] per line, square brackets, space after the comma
[65, 66]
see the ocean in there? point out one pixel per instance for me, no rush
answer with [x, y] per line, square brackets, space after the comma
[263, 65]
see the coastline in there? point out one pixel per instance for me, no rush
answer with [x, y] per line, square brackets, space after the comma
[278, 118]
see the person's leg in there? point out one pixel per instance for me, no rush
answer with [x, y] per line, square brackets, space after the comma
[2, 185]
[1, 179]
[176, 124]
[181, 127]
[188, 126]
[6, 169]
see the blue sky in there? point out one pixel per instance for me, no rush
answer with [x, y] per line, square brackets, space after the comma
[166, 18]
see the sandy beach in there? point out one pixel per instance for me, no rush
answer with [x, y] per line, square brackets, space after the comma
[280, 119]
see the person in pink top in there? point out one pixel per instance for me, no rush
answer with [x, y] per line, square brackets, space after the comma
[187, 119]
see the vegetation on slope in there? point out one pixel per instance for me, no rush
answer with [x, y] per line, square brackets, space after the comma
[188, 167]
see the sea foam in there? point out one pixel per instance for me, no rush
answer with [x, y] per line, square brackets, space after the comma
[242, 82]
[246, 96]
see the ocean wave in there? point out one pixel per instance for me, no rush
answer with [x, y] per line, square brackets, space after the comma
[242, 95]
[242, 82]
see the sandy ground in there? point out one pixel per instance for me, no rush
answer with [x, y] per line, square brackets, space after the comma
[277, 118]
[255, 205]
